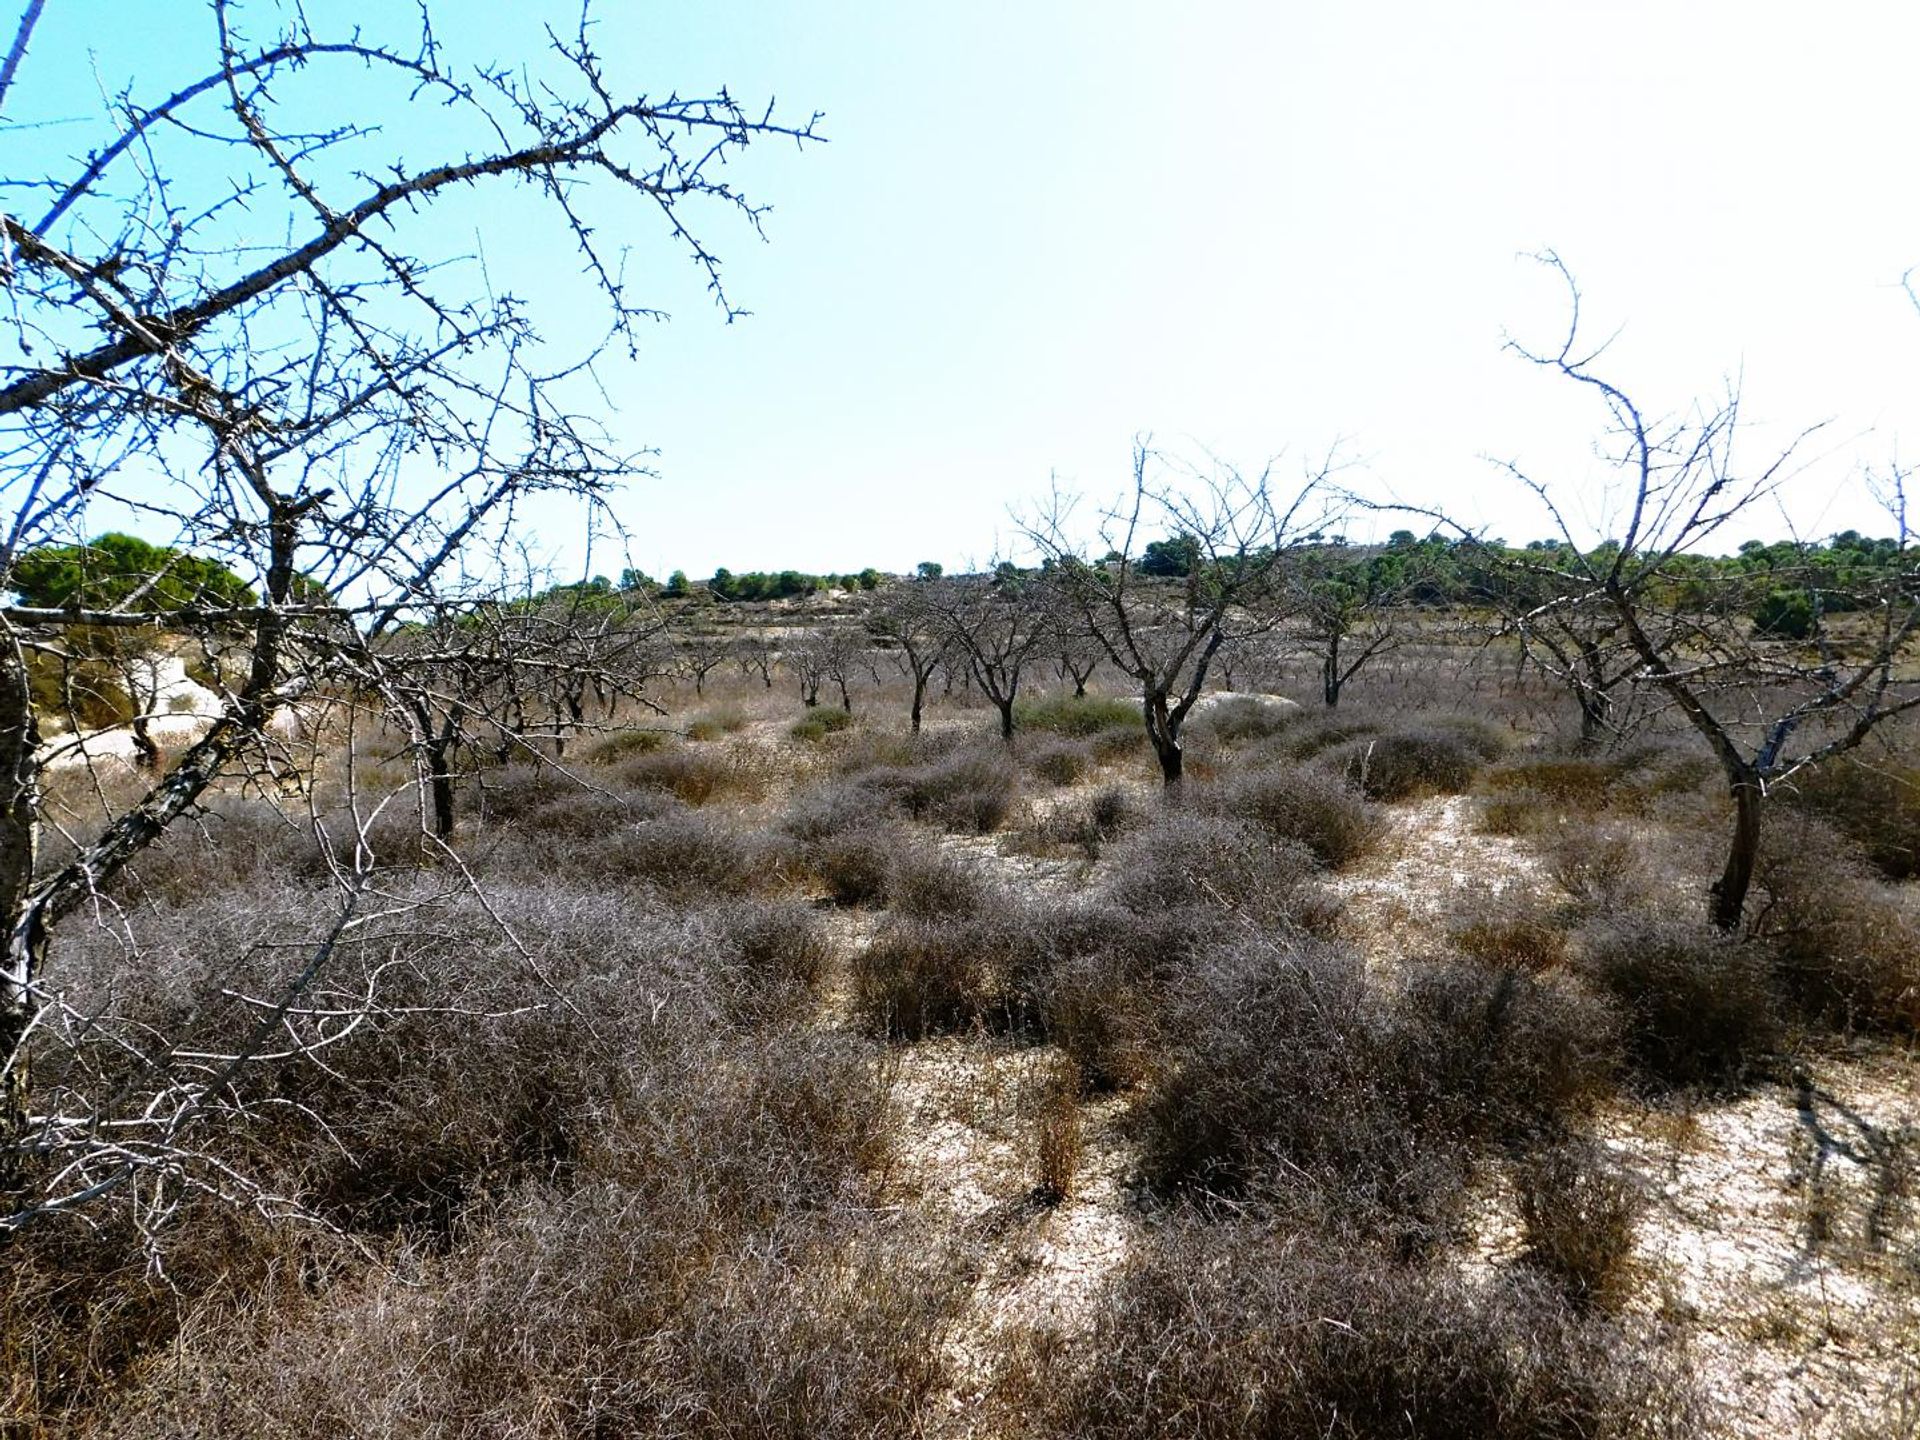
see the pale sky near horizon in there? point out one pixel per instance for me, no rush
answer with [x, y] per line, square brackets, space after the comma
[1039, 229]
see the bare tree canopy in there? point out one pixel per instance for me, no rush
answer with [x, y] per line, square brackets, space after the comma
[1161, 610]
[252, 332]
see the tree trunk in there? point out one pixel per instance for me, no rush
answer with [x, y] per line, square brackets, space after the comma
[1728, 894]
[1330, 672]
[19, 846]
[440, 781]
[1005, 707]
[1165, 739]
[919, 699]
[146, 754]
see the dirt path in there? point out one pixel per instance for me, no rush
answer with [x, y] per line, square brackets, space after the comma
[1433, 863]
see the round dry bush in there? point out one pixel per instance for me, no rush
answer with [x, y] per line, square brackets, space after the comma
[1241, 719]
[836, 808]
[1577, 782]
[933, 977]
[1406, 764]
[1510, 934]
[1060, 762]
[771, 955]
[625, 744]
[1225, 1330]
[1310, 737]
[1847, 947]
[1698, 1006]
[692, 855]
[855, 867]
[1874, 801]
[1291, 1076]
[698, 776]
[1183, 860]
[1310, 807]
[927, 883]
[1578, 1208]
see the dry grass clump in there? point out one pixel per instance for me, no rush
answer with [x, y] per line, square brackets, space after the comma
[816, 725]
[1289, 1074]
[1405, 764]
[970, 790]
[928, 883]
[1511, 934]
[625, 744]
[1699, 1006]
[1598, 864]
[1310, 807]
[1057, 1143]
[699, 776]
[855, 866]
[1243, 719]
[1215, 1332]
[719, 720]
[689, 854]
[1182, 860]
[921, 977]
[589, 1315]
[770, 955]
[1099, 984]
[1321, 733]
[1578, 1208]
[1087, 824]
[1060, 762]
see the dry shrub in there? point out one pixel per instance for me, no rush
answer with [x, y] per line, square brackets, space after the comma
[931, 977]
[1100, 985]
[689, 854]
[836, 808]
[1290, 1075]
[1241, 719]
[1515, 812]
[713, 723]
[1875, 803]
[1582, 783]
[1598, 864]
[816, 725]
[625, 745]
[1578, 1209]
[1060, 762]
[771, 955]
[855, 866]
[697, 777]
[594, 1313]
[1511, 934]
[1321, 733]
[965, 790]
[1183, 860]
[1699, 1006]
[1216, 1332]
[1406, 764]
[927, 883]
[1310, 807]
[1055, 1124]
[1089, 824]
[1847, 948]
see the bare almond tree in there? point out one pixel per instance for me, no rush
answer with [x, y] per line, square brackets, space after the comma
[254, 337]
[1767, 708]
[1241, 533]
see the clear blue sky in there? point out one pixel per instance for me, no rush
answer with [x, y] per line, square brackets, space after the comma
[1041, 228]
